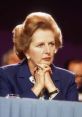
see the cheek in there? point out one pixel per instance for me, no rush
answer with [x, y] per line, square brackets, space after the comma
[36, 54]
[52, 53]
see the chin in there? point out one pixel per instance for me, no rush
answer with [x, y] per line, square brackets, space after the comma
[47, 63]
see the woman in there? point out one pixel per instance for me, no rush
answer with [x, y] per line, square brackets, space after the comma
[36, 41]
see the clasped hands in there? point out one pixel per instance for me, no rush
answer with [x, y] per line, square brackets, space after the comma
[42, 74]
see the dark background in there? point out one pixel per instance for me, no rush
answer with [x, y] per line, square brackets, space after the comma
[68, 15]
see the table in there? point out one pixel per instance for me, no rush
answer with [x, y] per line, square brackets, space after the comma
[24, 107]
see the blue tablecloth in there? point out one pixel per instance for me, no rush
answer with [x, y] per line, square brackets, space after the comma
[24, 107]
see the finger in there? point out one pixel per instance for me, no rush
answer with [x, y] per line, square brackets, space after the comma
[48, 70]
[42, 66]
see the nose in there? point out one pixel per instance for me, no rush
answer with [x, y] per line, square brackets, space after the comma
[47, 49]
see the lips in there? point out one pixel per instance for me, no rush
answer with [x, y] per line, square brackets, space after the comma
[47, 58]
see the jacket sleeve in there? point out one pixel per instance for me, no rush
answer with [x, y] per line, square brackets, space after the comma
[72, 93]
[4, 85]
[68, 89]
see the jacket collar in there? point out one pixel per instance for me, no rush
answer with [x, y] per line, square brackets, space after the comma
[23, 69]
[55, 75]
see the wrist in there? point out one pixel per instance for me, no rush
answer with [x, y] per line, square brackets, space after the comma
[53, 92]
[37, 90]
[51, 88]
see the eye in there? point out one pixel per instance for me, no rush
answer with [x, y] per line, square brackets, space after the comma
[52, 43]
[40, 45]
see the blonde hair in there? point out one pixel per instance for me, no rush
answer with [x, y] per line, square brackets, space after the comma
[22, 34]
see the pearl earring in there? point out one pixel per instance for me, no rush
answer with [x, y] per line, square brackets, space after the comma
[55, 51]
[28, 57]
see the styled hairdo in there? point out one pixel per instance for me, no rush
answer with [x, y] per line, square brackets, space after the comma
[22, 34]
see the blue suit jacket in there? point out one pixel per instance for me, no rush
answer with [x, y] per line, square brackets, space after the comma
[14, 79]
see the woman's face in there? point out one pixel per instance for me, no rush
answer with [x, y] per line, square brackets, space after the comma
[42, 47]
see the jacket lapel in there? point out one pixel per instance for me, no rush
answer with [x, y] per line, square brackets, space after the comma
[23, 77]
[55, 76]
